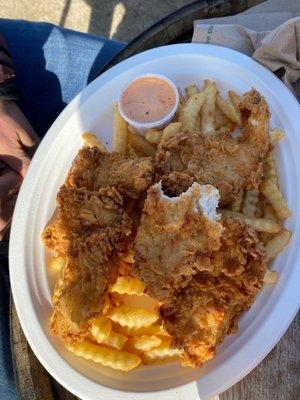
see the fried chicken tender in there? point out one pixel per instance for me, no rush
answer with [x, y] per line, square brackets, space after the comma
[94, 169]
[82, 212]
[173, 236]
[93, 228]
[202, 313]
[230, 164]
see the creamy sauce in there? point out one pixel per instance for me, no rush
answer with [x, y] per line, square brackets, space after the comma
[148, 99]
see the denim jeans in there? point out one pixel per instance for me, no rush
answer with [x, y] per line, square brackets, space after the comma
[52, 65]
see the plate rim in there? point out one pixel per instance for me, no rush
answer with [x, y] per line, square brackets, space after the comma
[15, 248]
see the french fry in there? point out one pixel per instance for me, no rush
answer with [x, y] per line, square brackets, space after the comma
[265, 237]
[163, 351]
[133, 317]
[171, 129]
[220, 119]
[259, 224]
[275, 135]
[250, 204]
[145, 330]
[269, 213]
[235, 99]
[190, 90]
[277, 244]
[140, 145]
[236, 205]
[144, 301]
[153, 136]
[100, 328]
[263, 225]
[120, 133]
[260, 207]
[131, 152]
[190, 110]
[182, 101]
[274, 196]
[57, 263]
[207, 125]
[144, 342]
[113, 358]
[129, 285]
[115, 339]
[182, 98]
[270, 278]
[228, 109]
[270, 169]
[91, 140]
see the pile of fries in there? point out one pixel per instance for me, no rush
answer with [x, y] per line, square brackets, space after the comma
[127, 335]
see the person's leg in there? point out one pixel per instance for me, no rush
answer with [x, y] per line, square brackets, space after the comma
[8, 389]
[52, 65]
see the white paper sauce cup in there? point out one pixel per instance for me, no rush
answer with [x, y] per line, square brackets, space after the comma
[143, 127]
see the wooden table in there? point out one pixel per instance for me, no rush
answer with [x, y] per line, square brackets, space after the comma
[277, 377]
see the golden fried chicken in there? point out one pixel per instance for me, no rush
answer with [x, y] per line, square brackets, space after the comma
[93, 227]
[173, 235]
[82, 212]
[230, 164]
[202, 313]
[93, 169]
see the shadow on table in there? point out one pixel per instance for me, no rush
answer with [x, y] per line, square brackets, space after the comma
[123, 20]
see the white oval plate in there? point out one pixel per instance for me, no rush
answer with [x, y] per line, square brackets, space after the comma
[275, 307]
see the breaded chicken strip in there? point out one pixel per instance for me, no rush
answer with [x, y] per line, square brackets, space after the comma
[93, 228]
[82, 212]
[202, 313]
[230, 164]
[173, 236]
[94, 169]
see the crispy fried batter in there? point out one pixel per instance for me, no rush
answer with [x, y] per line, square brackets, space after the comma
[201, 314]
[227, 163]
[173, 236]
[94, 228]
[82, 212]
[93, 169]
[54, 237]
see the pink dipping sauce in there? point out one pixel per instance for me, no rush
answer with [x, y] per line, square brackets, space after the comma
[148, 99]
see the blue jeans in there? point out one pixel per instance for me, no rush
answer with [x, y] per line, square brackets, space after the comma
[52, 65]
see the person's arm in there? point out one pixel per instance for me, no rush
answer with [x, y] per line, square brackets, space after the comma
[18, 140]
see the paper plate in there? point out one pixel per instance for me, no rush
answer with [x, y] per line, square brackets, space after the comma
[275, 307]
